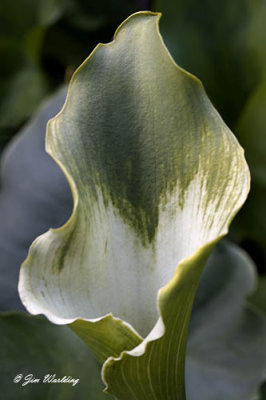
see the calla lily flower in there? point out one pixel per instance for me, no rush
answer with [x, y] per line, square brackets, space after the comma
[156, 178]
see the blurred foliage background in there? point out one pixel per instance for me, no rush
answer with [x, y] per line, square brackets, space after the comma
[43, 41]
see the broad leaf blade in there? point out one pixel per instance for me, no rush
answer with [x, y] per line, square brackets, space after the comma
[32, 345]
[226, 349]
[34, 196]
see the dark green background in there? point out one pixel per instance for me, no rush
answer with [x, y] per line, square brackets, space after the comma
[41, 44]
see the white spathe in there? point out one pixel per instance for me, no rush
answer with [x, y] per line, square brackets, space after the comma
[111, 271]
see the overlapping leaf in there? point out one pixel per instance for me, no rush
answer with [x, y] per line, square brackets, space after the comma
[156, 178]
[32, 345]
[226, 349]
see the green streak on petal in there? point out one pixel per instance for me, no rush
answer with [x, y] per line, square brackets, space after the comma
[156, 178]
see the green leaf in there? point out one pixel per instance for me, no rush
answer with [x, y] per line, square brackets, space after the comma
[32, 345]
[156, 178]
[34, 195]
[29, 83]
[23, 84]
[226, 350]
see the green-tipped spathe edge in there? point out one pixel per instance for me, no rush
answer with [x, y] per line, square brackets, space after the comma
[173, 281]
